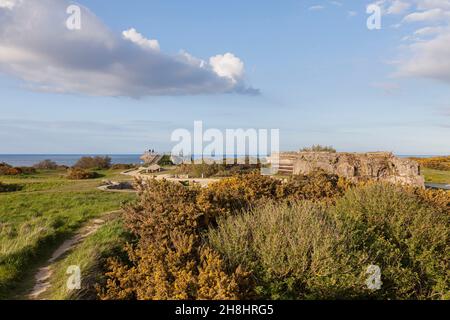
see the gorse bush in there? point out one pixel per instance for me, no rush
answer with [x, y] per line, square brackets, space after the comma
[169, 260]
[96, 163]
[436, 163]
[8, 170]
[316, 186]
[80, 174]
[313, 237]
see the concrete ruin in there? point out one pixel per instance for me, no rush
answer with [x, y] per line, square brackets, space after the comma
[378, 166]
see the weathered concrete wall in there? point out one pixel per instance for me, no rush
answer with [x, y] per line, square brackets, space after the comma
[380, 166]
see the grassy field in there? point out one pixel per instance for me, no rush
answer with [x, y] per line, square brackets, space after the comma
[436, 176]
[47, 209]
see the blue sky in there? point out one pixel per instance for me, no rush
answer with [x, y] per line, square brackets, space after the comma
[312, 69]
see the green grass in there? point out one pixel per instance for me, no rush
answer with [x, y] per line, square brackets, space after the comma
[436, 176]
[34, 220]
[90, 256]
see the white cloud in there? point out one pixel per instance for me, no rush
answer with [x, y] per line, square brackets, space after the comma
[36, 46]
[8, 4]
[431, 15]
[316, 8]
[433, 4]
[428, 59]
[428, 31]
[139, 39]
[398, 7]
[228, 66]
[427, 55]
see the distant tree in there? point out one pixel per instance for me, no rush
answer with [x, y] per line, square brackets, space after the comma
[319, 148]
[46, 165]
[93, 163]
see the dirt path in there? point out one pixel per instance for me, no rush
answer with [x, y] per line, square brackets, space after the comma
[43, 275]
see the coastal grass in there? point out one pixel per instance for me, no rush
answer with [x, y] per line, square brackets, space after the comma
[90, 256]
[436, 176]
[47, 209]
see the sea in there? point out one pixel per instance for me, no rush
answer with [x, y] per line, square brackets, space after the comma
[28, 160]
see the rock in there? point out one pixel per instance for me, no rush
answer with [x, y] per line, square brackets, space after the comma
[379, 166]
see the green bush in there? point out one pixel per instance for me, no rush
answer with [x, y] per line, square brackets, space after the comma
[308, 251]
[406, 237]
[206, 170]
[319, 148]
[122, 166]
[289, 249]
[165, 161]
[9, 187]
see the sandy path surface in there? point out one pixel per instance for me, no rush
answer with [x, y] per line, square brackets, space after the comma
[43, 274]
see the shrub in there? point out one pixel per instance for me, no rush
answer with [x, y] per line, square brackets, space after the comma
[319, 148]
[97, 163]
[7, 170]
[169, 260]
[80, 174]
[26, 170]
[406, 237]
[240, 238]
[165, 161]
[207, 170]
[198, 170]
[289, 249]
[436, 163]
[316, 186]
[9, 187]
[308, 251]
[121, 166]
[236, 193]
[46, 165]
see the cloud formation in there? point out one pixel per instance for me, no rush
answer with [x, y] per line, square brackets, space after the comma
[139, 39]
[37, 47]
[427, 51]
